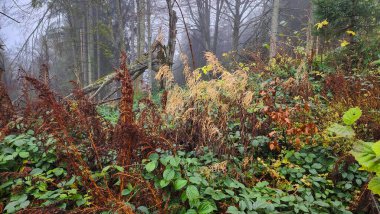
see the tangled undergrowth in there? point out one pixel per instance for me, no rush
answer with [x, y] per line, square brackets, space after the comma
[246, 141]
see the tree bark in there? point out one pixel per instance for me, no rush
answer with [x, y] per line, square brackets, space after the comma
[6, 107]
[121, 27]
[274, 29]
[219, 7]
[91, 45]
[149, 26]
[136, 69]
[140, 27]
[172, 32]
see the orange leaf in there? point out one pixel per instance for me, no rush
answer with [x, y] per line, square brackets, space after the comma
[271, 134]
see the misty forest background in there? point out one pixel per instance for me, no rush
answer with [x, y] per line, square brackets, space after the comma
[82, 40]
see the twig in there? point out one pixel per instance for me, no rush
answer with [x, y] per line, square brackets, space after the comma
[27, 40]
[9, 17]
[187, 34]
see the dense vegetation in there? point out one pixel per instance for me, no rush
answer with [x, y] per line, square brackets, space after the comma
[296, 133]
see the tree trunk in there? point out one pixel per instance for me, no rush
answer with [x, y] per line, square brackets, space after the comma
[140, 27]
[85, 46]
[172, 32]
[121, 27]
[274, 29]
[91, 44]
[236, 26]
[97, 43]
[219, 7]
[148, 18]
[75, 38]
[7, 111]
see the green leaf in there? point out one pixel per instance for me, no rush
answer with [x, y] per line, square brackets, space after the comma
[125, 192]
[19, 143]
[242, 205]
[169, 174]
[341, 131]
[230, 192]
[36, 171]
[195, 180]
[58, 171]
[303, 208]
[151, 166]
[174, 161]
[366, 157]
[143, 209]
[11, 207]
[153, 157]
[374, 185]
[22, 198]
[260, 204]
[233, 210]
[376, 148]
[192, 192]
[119, 168]
[80, 202]
[352, 115]
[179, 184]
[71, 181]
[191, 211]
[321, 203]
[23, 154]
[288, 198]
[24, 204]
[164, 183]
[218, 195]
[8, 157]
[317, 166]
[205, 208]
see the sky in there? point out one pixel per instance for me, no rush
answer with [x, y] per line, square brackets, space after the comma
[12, 33]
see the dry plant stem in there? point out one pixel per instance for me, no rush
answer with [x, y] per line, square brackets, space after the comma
[125, 126]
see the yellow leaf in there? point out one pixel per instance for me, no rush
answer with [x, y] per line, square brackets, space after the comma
[325, 22]
[350, 32]
[344, 43]
[322, 24]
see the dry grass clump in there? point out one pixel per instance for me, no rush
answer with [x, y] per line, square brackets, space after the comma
[201, 109]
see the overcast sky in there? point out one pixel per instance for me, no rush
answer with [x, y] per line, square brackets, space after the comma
[15, 34]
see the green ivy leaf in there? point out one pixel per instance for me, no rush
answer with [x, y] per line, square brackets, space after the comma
[205, 208]
[321, 203]
[143, 209]
[374, 185]
[191, 211]
[233, 210]
[153, 157]
[125, 192]
[195, 180]
[179, 184]
[151, 166]
[316, 166]
[169, 174]
[352, 115]
[174, 161]
[192, 192]
[24, 154]
[36, 171]
[164, 183]
[24, 204]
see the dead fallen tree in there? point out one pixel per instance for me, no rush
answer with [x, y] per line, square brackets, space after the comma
[135, 70]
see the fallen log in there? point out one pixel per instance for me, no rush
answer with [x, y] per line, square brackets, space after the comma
[136, 69]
